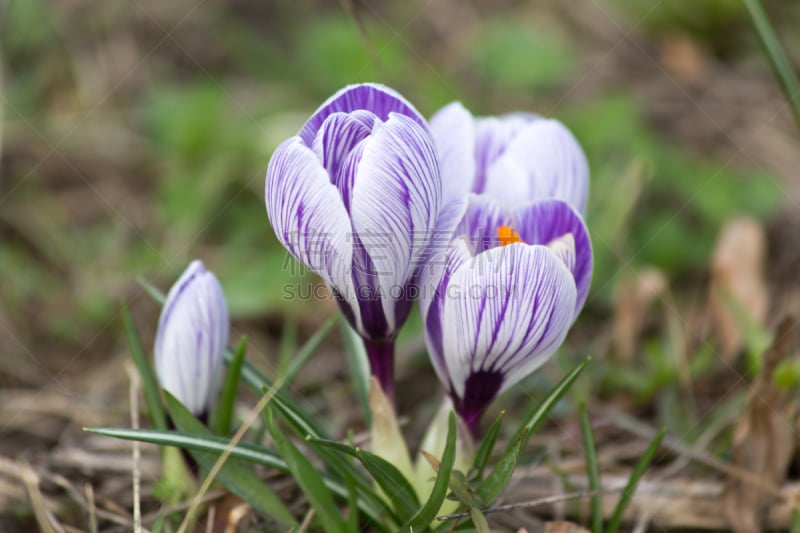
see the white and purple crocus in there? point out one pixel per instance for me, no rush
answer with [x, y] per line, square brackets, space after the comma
[355, 196]
[192, 336]
[499, 302]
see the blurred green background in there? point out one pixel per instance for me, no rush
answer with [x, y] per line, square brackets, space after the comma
[135, 137]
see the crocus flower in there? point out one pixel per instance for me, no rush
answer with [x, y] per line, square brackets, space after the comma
[355, 196]
[502, 298]
[191, 340]
[516, 158]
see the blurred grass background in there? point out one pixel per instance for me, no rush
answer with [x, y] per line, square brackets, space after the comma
[135, 137]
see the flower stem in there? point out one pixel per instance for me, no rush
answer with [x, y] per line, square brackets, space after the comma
[381, 363]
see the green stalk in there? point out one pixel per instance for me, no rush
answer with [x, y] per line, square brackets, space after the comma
[778, 59]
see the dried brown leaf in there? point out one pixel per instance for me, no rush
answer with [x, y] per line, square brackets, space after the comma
[634, 295]
[563, 527]
[763, 440]
[737, 282]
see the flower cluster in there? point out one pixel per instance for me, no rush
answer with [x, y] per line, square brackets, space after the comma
[491, 204]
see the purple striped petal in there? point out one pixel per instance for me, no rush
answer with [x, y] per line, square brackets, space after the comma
[373, 97]
[192, 337]
[553, 161]
[508, 320]
[453, 132]
[337, 137]
[396, 199]
[432, 298]
[309, 217]
[545, 222]
[480, 223]
[493, 136]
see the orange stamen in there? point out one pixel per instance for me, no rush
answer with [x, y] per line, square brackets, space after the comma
[507, 235]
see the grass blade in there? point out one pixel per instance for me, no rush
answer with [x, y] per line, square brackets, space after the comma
[638, 471]
[593, 471]
[358, 364]
[487, 446]
[288, 346]
[430, 509]
[309, 479]
[224, 412]
[152, 291]
[235, 477]
[307, 350]
[495, 483]
[150, 385]
[776, 53]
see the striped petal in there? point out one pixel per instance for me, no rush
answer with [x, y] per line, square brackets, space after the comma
[373, 97]
[553, 161]
[396, 199]
[505, 322]
[453, 132]
[493, 136]
[432, 298]
[192, 336]
[337, 137]
[550, 221]
[309, 217]
[483, 216]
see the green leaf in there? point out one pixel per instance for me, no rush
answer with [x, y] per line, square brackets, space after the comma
[781, 65]
[309, 478]
[394, 485]
[243, 451]
[593, 470]
[495, 483]
[236, 478]
[428, 511]
[224, 411]
[308, 350]
[288, 346]
[481, 525]
[152, 291]
[359, 367]
[638, 471]
[487, 446]
[150, 385]
[294, 414]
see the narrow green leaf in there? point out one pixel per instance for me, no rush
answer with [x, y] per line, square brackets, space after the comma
[495, 483]
[309, 478]
[630, 488]
[150, 385]
[352, 505]
[307, 350]
[235, 477]
[428, 511]
[393, 483]
[358, 364]
[781, 65]
[152, 291]
[478, 520]
[487, 446]
[244, 451]
[288, 346]
[223, 415]
[290, 412]
[593, 471]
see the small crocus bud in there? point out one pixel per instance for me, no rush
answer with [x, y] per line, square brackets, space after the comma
[191, 340]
